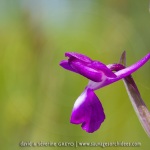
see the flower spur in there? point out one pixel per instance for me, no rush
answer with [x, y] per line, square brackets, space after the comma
[87, 109]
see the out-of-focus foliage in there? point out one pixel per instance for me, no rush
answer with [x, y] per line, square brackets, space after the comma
[37, 95]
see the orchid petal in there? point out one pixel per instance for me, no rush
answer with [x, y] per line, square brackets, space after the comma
[81, 64]
[88, 111]
[102, 67]
[96, 65]
[65, 65]
[78, 56]
[86, 71]
[81, 67]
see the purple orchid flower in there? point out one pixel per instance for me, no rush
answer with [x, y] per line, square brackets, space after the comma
[87, 109]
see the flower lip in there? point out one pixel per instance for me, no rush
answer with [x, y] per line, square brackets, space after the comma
[88, 111]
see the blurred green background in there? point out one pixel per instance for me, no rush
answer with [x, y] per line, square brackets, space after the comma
[37, 95]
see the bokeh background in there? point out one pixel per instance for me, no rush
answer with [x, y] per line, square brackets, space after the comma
[37, 95]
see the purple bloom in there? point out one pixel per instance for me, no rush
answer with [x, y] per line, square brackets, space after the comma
[87, 109]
